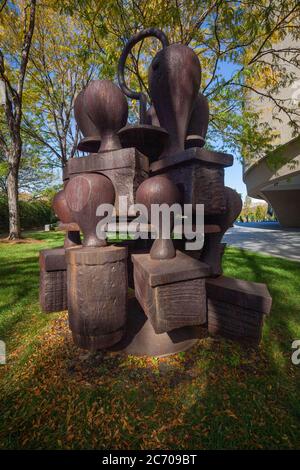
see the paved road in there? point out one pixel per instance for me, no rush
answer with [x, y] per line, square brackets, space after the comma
[267, 238]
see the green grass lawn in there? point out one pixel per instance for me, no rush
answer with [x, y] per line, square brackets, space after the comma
[218, 395]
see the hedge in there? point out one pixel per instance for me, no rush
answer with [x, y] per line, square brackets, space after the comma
[33, 214]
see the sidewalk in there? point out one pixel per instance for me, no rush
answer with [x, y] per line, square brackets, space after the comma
[266, 237]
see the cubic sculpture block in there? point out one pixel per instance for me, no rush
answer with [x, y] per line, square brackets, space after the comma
[126, 169]
[199, 173]
[159, 160]
[171, 292]
[53, 280]
[236, 309]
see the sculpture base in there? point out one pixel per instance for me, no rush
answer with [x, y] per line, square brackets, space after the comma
[93, 343]
[141, 340]
[171, 291]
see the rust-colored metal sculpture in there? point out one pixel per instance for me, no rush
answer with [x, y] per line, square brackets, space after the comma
[84, 193]
[97, 295]
[83, 120]
[159, 160]
[63, 212]
[213, 251]
[107, 108]
[148, 136]
[198, 125]
[150, 32]
[174, 81]
[159, 190]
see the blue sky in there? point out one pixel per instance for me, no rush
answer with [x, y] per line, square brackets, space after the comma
[234, 178]
[234, 174]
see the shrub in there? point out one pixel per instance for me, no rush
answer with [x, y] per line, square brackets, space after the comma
[35, 213]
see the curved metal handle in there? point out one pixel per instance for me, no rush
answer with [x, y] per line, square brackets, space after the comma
[149, 32]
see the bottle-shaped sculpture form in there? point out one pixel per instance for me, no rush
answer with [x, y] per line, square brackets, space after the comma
[198, 124]
[84, 194]
[159, 190]
[174, 81]
[85, 124]
[107, 107]
[62, 211]
[61, 208]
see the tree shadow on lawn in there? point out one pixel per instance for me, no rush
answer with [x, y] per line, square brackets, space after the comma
[19, 287]
[19, 280]
[216, 395]
[49, 237]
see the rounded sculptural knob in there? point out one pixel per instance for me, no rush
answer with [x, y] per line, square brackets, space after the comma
[85, 124]
[61, 208]
[174, 81]
[62, 211]
[198, 124]
[84, 194]
[107, 107]
[159, 190]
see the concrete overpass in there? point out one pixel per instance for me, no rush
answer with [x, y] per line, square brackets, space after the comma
[276, 178]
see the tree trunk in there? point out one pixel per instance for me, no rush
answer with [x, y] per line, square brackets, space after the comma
[12, 195]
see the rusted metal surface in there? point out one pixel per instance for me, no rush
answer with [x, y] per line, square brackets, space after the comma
[53, 259]
[252, 295]
[61, 208]
[53, 291]
[159, 190]
[85, 124]
[126, 168]
[180, 268]
[199, 173]
[212, 250]
[236, 309]
[53, 280]
[84, 194]
[198, 124]
[140, 338]
[72, 238]
[151, 117]
[149, 140]
[150, 32]
[171, 292]
[97, 295]
[89, 144]
[170, 285]
[72, 227]
[63, 212]
[107, 108]
[192, 155]
[174, 81]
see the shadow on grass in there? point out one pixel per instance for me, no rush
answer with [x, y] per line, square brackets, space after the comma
[218, 395]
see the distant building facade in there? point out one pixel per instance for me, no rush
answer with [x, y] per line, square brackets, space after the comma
[276, 177]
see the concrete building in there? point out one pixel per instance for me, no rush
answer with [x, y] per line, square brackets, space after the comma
[276, 177]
